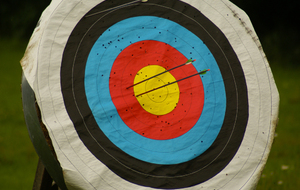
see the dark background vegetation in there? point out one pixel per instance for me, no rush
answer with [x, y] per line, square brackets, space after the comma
[18, 18]
[277, 25]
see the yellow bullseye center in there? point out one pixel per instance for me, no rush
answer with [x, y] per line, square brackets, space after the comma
[161, 101]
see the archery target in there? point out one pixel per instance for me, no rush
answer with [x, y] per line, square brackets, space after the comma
[139, 137]
[190, 134]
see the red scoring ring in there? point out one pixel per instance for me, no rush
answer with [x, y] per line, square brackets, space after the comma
[190, 105]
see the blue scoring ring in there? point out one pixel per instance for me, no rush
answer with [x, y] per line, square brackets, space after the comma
[98, 68]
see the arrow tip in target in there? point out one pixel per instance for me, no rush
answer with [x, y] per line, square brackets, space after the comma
[190, 61]
[204, 72]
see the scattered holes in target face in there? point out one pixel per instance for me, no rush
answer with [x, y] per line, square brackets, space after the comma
[143, 117]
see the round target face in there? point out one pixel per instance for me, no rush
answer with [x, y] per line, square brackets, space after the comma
[153, 94]
[190, 124]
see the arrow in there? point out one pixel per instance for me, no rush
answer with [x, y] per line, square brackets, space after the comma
[117, 7]
[199, 73]
[186, 63]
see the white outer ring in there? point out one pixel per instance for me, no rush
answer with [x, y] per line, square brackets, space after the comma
[41, 65]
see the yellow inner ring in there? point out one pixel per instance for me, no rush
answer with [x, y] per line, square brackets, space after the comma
[157, 102]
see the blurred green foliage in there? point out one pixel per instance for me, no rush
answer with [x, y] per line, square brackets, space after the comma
[19, 18]
[276, 23]
[18, 159]
[269, 16]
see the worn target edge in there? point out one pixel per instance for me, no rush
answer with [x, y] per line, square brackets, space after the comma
[260, 76]
[65, 144]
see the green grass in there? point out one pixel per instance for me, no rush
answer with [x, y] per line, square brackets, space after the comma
[283, 166]
[18, 159]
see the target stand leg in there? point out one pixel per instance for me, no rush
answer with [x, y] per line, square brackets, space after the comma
[43, 181]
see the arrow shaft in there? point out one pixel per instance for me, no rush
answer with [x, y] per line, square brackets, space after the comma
[159, 74]
[117, 7]
[201, 72]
